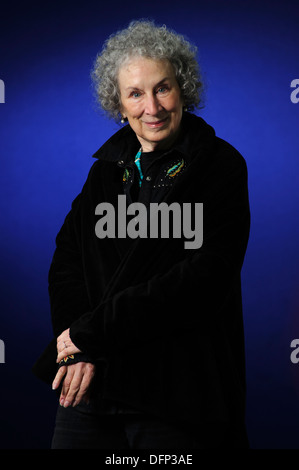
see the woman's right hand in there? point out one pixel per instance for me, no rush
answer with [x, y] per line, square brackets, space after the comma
[75, 387]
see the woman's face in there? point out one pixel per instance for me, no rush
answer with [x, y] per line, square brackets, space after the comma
[151, 101]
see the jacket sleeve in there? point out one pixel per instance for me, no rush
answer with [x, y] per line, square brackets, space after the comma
[193, 291]
[67, 289]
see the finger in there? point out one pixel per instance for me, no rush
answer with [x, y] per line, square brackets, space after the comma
[84, 386]
[68, 351]
[62, 353]
[61, 346]
[58, 377]
[73, 387]
[63, 340]
[66, 384]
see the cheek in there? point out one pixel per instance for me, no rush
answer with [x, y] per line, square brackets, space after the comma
[175, 104]
[177, 108]
[134, 110]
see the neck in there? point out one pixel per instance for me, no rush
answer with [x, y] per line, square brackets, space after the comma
[150, 146]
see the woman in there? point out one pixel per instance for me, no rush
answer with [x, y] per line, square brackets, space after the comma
[148, 329]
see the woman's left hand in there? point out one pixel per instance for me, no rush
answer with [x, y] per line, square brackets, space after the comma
[65, 346]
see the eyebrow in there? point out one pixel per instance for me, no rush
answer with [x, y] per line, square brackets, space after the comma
[157, 84]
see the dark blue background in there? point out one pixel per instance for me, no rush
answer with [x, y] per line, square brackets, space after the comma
[49, 130]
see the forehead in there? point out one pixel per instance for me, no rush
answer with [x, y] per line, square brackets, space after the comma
[140, 70]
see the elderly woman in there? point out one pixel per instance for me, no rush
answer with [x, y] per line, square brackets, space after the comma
[149, 348]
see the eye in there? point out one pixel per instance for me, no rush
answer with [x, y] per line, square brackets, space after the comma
[135, 94]
[162, 89]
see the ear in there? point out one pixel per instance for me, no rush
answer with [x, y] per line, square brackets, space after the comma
[122, 115]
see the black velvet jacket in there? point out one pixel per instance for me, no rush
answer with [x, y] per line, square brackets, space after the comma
[163, 323]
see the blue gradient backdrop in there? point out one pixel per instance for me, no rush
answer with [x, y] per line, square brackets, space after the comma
[49, 130]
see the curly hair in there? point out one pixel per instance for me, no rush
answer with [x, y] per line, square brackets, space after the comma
[143, 38]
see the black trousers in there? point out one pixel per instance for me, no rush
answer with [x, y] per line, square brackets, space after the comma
[82, 428]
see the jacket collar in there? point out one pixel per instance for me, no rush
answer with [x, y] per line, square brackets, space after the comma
[195, 141]
[195, 136]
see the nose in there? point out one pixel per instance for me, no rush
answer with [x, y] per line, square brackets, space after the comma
[152, 105]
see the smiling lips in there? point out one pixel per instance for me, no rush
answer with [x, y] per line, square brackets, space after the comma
[155, 124]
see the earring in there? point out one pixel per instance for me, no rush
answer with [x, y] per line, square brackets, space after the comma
[185, 108]
[123, 120]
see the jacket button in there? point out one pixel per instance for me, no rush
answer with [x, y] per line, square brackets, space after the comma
[148, 178]
[120, 162]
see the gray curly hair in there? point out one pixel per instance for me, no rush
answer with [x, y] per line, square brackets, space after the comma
[143, 38]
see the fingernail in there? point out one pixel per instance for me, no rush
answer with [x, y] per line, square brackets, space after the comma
[66, 404]
[54, 386]
[61, 401]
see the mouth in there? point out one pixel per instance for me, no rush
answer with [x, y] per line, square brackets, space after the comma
[156, 124]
